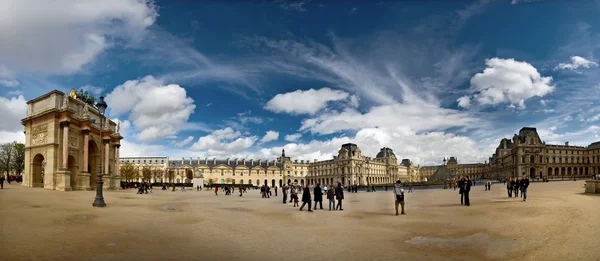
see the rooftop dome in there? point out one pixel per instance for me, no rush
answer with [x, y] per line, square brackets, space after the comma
[385, 152]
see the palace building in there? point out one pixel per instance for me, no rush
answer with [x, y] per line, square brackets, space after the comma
[349, 167]
[527, 154]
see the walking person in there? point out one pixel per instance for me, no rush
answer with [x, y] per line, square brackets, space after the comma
[466, 191]
[2, 182]
[263, 191]
[306, 199]
[276, 191]
[268, 191]
[292, 192]
[509, 187]
[216, 191]
[318, 195]
[339, 195]
[461, 190]
[295, 197]
[524, 186]
[331, 197]
[284, 190]
[399, 195]
[516, 187]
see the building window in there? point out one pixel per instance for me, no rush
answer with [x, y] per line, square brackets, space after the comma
[221, 172]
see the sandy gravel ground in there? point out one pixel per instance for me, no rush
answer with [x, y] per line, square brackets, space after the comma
[558, 222]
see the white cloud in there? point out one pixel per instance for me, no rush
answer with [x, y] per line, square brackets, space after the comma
[223, 142]
[7, 136]
[9, 83]
[156, 109]
[15, 92]
[94, 90]
[293, 137]
[270, 136]
[62, 36]
[292, 4]
[133, 149]
[416, 116]
[543, 102]
[307, 102]
[11, 112]
[184, 142]
[464, 101]
[509, 81]
[576, 62]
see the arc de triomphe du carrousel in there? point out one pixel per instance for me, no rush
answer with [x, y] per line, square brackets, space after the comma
[62, 144]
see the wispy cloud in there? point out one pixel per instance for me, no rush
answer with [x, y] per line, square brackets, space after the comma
[293, 4]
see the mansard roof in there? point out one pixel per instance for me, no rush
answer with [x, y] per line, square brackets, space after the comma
[211, 163]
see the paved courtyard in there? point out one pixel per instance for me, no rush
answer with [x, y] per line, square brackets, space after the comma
[558, 222]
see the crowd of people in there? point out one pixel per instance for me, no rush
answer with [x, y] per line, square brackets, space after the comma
[514, 186]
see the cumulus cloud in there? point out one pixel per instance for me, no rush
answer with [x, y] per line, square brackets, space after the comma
[508, 81]
[416, 116]
[223, 142]
[270, 136]
[307, 102]
[293, 137]
[155, 108]
[11, 112]
[94, 90]
[464, 101]
[61, 37]
[184, 142]
[576, 62]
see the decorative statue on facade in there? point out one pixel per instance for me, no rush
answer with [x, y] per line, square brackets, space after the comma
[86, 112]
[73, 94]
[66, 101]
[119, 128]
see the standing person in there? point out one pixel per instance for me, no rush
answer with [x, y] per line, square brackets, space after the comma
[318, 195]
[516, 187]
[339, 195]
[331, 197]
[399, 195]
[410, 188]
[284, 189]
[295, 197]
[524, 186]
[292, 192]
[216, 191]
[509, 187]
[276, 191]
[241, 191]
[1, 182]
[461, 190]
[468, 185]
[263, 191]
[489, 185]
[268, 190]
[306, 199]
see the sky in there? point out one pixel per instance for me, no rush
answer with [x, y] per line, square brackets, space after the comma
[246, 79]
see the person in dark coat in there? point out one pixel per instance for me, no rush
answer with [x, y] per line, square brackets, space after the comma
[2, 182]
[516, 187]
[339, 195]
[466, 191]
[509, 187]
[461, 189]
[284, 189]
[306, 199]
[318, 196]
[524, 185]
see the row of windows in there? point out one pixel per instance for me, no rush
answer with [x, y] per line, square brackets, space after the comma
[573, 152]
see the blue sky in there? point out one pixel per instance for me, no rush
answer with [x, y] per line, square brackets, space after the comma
[430, 79]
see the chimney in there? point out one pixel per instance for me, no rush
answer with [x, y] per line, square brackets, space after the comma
[259, 162]
[190, 160]
[274, 162]
[236, 161]
[267, 162]
[302, 161]
[295, 161]
[244, 161]
[182, 159]
[252, 162]
[198, 160]
[206, 161]
[214, 161]
[227, 161]
[315, 160]
[566, 143]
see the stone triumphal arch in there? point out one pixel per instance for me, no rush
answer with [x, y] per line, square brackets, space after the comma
[63, 144]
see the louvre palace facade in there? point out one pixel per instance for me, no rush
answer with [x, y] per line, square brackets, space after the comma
[349, 167]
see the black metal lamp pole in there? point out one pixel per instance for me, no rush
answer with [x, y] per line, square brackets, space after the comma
[99, 201]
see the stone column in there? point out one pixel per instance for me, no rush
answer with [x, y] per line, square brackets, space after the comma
[86, 141]
[65, 148]
[117, 162]
[106, 156]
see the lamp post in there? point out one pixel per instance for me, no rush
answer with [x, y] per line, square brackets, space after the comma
[99, 201]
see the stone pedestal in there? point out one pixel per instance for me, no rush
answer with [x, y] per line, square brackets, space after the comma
[106, 179]
[592, 186]
[115, 183]
[83, 181]
[63, 180]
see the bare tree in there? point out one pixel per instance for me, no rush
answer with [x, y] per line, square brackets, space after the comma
[128, 171]
[6, 157]
[18, 163]
[146, 174]
[189, 174]
[171, 177]
[156, 174]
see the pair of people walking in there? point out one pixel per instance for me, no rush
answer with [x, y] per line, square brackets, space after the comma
[332, 195]
[514, 185]
[464, 186]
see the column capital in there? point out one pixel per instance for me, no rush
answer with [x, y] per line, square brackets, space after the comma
[118, 146]
[106, 141]
[85, 132]
[65, 123]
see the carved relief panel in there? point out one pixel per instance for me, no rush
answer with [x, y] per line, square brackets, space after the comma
[73, 141]
[39, 134]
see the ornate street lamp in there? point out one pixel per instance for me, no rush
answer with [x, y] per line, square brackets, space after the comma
[99, 201]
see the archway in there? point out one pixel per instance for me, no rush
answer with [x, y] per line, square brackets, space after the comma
[233, 182]
[37, 171]
[73, 169]
[93, 162]
[241, 182]
[550, 172]
[289, 181]
[258, 182]
[266, 183]
[249, 182]
[302, 182]
[556, 171]
[272, 183]
[295, 181]
[280, 183]
[531, 159]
